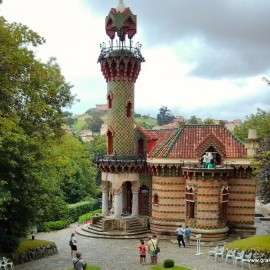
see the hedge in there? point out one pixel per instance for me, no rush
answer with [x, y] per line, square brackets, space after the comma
[88, 216]
[55, 225]
[74, 212]
[78, 209]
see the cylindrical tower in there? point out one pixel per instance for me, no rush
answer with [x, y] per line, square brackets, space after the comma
[120, 65]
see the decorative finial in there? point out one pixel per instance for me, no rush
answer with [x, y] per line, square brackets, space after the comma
[121, 7]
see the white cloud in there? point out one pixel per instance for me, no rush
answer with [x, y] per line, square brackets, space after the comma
[73, 31]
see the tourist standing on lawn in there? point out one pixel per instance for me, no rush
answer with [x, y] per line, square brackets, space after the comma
[180, 236]
[187, 235]
[73, 245]
[142, 251]
[152, 245]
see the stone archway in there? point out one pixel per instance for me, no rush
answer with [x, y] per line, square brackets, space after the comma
[127, 198]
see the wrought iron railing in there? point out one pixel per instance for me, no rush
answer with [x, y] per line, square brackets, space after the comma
[120, 50]
[102, 157]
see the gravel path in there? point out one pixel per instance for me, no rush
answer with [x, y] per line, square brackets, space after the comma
[110, 254]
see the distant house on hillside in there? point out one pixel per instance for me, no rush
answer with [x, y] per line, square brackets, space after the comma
[101, 107]
[86, 135]
[103, 129]
[68, 130]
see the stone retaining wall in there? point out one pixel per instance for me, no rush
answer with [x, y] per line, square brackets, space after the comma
[35, 253]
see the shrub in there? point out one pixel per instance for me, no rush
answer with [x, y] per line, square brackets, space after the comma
[9, 243]
[88, 216]
[55, 225]
[77, 209]
[168, 263]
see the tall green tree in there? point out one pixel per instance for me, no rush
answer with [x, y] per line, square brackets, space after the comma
[193, 120]
[71, 166]
[94, 123]
[263, 168]
[164, 116]
[32, 95]
[259, 121]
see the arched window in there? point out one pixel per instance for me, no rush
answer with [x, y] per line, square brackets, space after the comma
[129, 107]
[155, 199]
[109, 100]
[224, 199]
[110, 142]
[190, 203]
[140, 148]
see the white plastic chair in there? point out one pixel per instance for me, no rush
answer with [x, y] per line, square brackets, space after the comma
[247, 259]
[220, 253]
[8, 263]
[3, 265]
[239, 257]
[230, 254]
[213, 251]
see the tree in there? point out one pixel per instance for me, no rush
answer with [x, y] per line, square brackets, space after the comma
[67, 114]
[193, 120]
[72, 168]
[259, 121]
[164, 116]
[263, 168]
[32, 95]
[94, 123]
[71, 121]
[208, 121]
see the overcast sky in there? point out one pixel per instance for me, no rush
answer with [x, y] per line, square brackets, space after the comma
[204, 58]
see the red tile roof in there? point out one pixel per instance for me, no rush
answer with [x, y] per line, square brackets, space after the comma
[192, 140]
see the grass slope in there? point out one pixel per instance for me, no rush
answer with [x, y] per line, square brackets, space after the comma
[148, 122]
[261, 242]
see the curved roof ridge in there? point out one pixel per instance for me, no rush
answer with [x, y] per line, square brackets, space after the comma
[164, 143]
[177, 134]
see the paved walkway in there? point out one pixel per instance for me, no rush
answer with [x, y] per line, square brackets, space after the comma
[111, 254]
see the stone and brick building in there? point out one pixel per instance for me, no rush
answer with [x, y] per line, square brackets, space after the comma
[160, 177]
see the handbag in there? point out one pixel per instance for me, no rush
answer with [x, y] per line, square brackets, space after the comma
[157, 249]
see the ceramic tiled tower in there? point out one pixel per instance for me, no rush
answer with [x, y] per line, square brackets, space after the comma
[121, 64]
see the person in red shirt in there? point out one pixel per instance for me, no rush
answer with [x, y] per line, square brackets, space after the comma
[142, 252]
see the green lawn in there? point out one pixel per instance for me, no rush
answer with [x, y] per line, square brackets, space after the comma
[176, 267]
[79, 125]
[261, 242]
[26, 244]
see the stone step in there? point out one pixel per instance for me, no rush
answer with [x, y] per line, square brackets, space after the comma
[115, 232]
[84, 231]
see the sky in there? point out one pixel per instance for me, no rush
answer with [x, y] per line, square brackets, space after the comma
[204, 58]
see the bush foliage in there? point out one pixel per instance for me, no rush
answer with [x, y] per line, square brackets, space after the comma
[9, 243]
[88, 216]
[168, 263]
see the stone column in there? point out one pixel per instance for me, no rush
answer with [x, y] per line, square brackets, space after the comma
[118, 202]
[135, 200]
[105, 199]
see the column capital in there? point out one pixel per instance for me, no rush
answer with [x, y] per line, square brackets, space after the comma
[135, 189]
[105, 186]
[117, 191]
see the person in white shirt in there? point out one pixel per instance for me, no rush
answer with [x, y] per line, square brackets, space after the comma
[180, 236]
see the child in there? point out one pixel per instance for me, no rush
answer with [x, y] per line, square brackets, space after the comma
[142, 251]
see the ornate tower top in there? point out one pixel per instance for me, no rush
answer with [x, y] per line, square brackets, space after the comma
[121, 7]
[121, 21]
